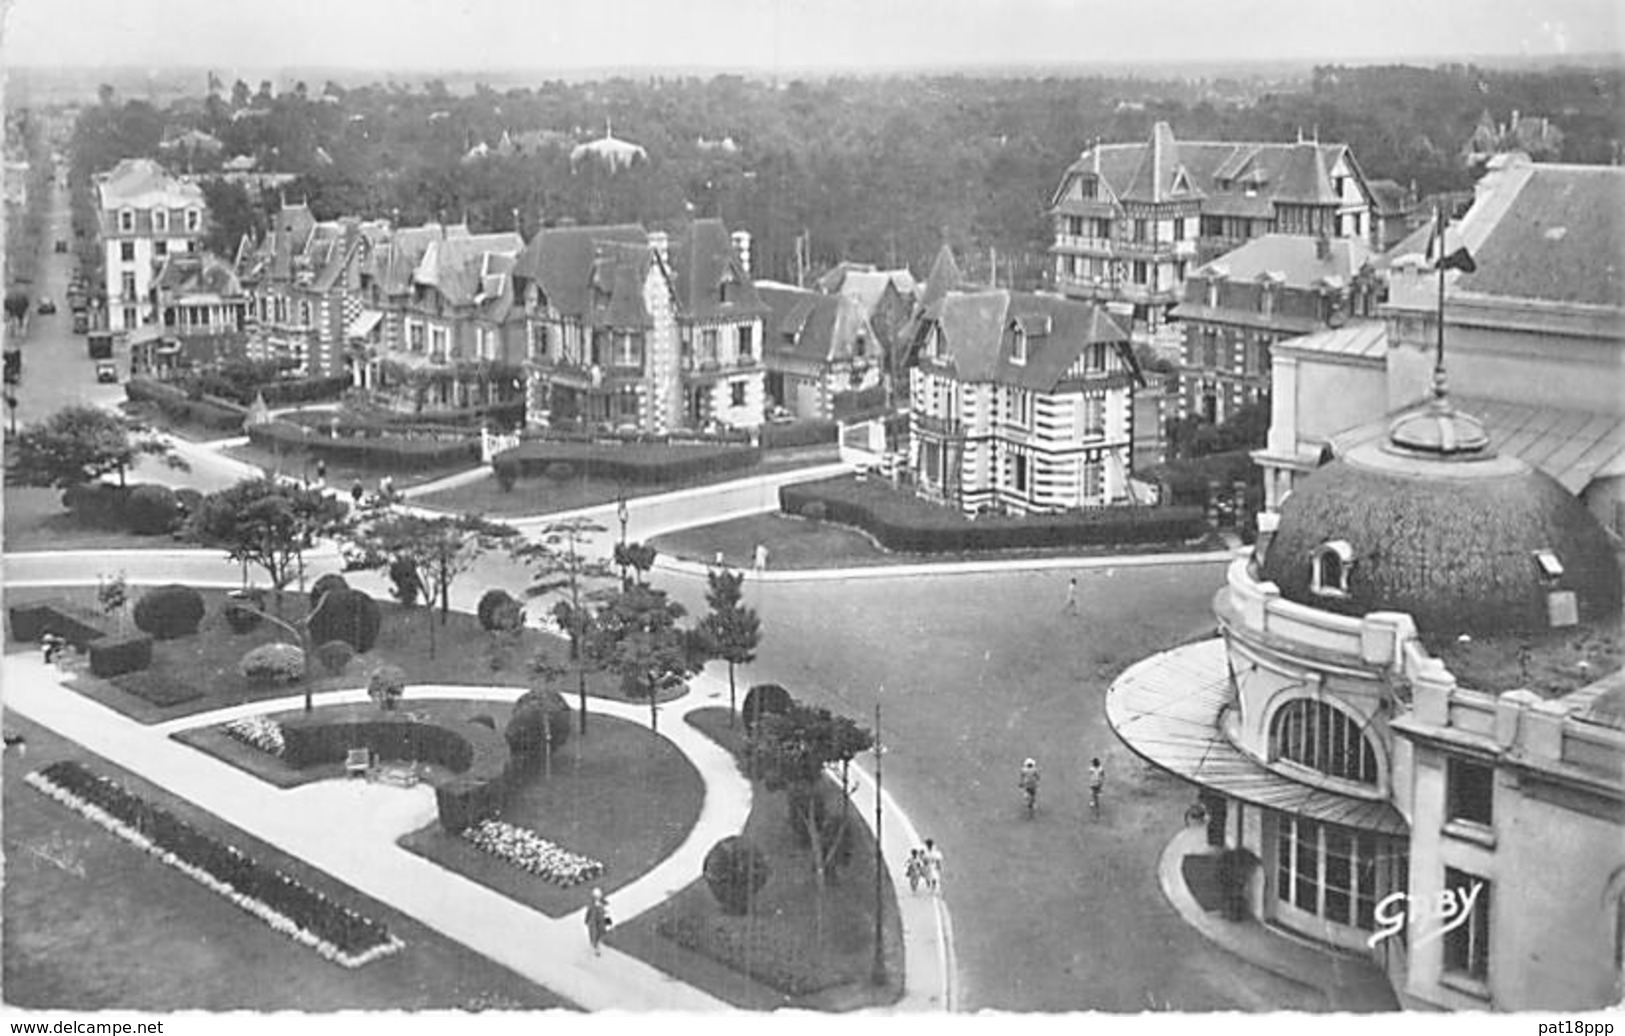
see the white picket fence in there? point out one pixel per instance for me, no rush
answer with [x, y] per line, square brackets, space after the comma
[492, 444]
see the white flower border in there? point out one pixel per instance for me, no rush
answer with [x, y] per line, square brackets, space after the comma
[261, 910]
[257, 731]
[529, 851]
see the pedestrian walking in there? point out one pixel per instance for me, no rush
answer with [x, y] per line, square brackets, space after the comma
[321, 473]
[1071, 605]
[915, 868]
[933, 867]
[357, 491]
[761, 558]
[1097, 777]
[386, 488]
[1027, 781]
[598, 921]
[53, 645]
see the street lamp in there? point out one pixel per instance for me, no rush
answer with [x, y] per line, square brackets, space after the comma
[877, 970]
[620, 554]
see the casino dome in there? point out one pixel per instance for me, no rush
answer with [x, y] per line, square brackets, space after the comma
[1432, 522]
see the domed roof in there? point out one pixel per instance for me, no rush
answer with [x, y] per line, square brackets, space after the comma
[1433, 523]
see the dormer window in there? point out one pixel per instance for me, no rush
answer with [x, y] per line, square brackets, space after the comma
[160, 220]
[194, 220]
[126, 221]
[1019, 355]
[1329, 569]
[1551, 569]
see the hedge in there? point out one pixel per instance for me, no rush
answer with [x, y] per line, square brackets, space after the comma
[764, 698]
[157, 688]
[220, 415]
[735, 870]
[78, 626]
[642, 464]
[460, 421]
[97, 503]
[902, 523]
[799, 433]
[113, 656]
[384, 452]
[151, 510]
[348, 615]
[477, 756]
[333, 929]
[299, 390]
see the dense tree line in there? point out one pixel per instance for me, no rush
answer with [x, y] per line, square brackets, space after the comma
[878, 169]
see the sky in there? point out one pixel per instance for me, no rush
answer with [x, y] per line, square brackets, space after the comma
[764, 35]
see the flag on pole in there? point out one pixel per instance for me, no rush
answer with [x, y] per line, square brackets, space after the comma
[1439, 258]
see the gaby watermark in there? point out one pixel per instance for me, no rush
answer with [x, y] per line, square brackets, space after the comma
[1430, 917]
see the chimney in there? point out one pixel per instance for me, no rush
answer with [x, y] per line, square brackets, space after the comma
[660, 243]
[741, 243]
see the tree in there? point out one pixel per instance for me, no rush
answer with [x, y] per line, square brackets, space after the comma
[558, 566]
[80, 444]
[113, 595]
[792, 751]
[439, 548]
[239, 94]
[635, 635]
[269, 524]
[232, 215]
[639, 557]
[730, 631]
[17, 306]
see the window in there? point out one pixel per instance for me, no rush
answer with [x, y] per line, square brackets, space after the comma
[1019, 461]
[160, 248]
[1322, 737]
[1210, 348]
[1102, 227]
[304, 313]
[126, 221]
[1140, 271]
[737, 391]
[1469, 791]
[127, 287]
[708, 346]
[1094, 416]
[1091, 479]
[1096, 362]
[626, 405]
[747, 343]
[1467, 946]
[437, 342]
[628, 350]
[1326, 870]
[160, 221]
[414, 337]
[194, 219]
[1021, 408]
[1179, 230]
[1329, 570]
[1139, 230]
[126, 251]
[1019, 355]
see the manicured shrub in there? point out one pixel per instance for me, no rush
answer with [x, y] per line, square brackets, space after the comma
[243, 608]
[78, 626]
[188, 500]
[169, 611]
[29, 622]
[111, 656]
[559, 471]
[507, 475]
[273, 663]
[396, 452]
[151, 510]
[404, 583]
[799, 433]
[815, 511]
[638, 461]
[331, 581]
[499, 610]
[762, 699]
[99, 504]
[538, 714]
[386, 685]
[350, 616]
[334, 655]
[735, 870]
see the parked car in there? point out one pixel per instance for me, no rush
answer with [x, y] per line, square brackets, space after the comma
[107, 372]
[46, 306]
[81, 321]
[61, 245]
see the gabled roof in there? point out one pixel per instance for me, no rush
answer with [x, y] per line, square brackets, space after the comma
[1293, 257]
[812, 326]
[560, 261]
[197, 273]
[143, 183]
[978, 332]
[619, 270]
[944, 277]
[702, 259]
[453, 264]
[868, 287]
[1160, 175]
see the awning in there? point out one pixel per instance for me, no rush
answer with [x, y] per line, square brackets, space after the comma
[362, 325]
[1168, 709]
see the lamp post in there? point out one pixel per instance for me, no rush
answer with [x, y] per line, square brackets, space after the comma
[620, 555]
[877, 970]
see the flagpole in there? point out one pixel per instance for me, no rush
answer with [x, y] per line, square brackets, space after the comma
[1439, 264]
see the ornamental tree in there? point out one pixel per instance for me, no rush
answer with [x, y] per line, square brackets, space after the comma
[639, 557]
[270, 525]
[558, 566]
[635, 635]
[80, 444]
[439, 548]
[792, 752]
[730, 631]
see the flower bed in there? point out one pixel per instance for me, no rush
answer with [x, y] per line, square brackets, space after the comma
[755, 946]
[307, 916]
[259, 732]
[529, 851]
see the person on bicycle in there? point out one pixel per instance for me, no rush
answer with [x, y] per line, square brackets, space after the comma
[1097, 777]
[1028, 782]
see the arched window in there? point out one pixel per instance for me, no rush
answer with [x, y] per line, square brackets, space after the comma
[1322, 737]
[1329, 569]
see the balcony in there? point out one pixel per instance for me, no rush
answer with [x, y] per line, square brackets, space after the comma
[1082, 243]
[939, 427]
[696, 368]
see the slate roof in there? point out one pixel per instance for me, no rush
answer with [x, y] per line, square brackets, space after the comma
[943, 278]
[1293, 257]
[454, 265]
[619, 270]
[701, 256]
[979, 338]
[197, 273]
[141, 182]
[811, 326]
[869, 286]
[1559, 240]
[560, 261]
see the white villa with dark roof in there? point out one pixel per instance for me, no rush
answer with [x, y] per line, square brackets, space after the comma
[1021, 404]
[146, 215]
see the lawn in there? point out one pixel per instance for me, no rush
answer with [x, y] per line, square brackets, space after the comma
[799, 543]
[543, 495]
[36, 520]
[622, 796]
[94, 923]
[824, 937]
[198, 673]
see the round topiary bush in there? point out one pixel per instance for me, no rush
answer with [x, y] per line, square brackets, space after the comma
[559, 471]
[331, 581]
[273, 663]
[762, 699]
[168, 612]
[499, 610]
[538, 714]
[350, 616]
[815, 511]
[151, 510]
[404, 582]
[507, 474]
[334, 655]
[386, 685]
[735, 870]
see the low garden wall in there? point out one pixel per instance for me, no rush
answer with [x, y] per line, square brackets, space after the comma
[476, 755]
[901, 522]
[397, 450]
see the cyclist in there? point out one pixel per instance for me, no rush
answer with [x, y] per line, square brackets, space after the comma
[1097, 777]
[1028, 782]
